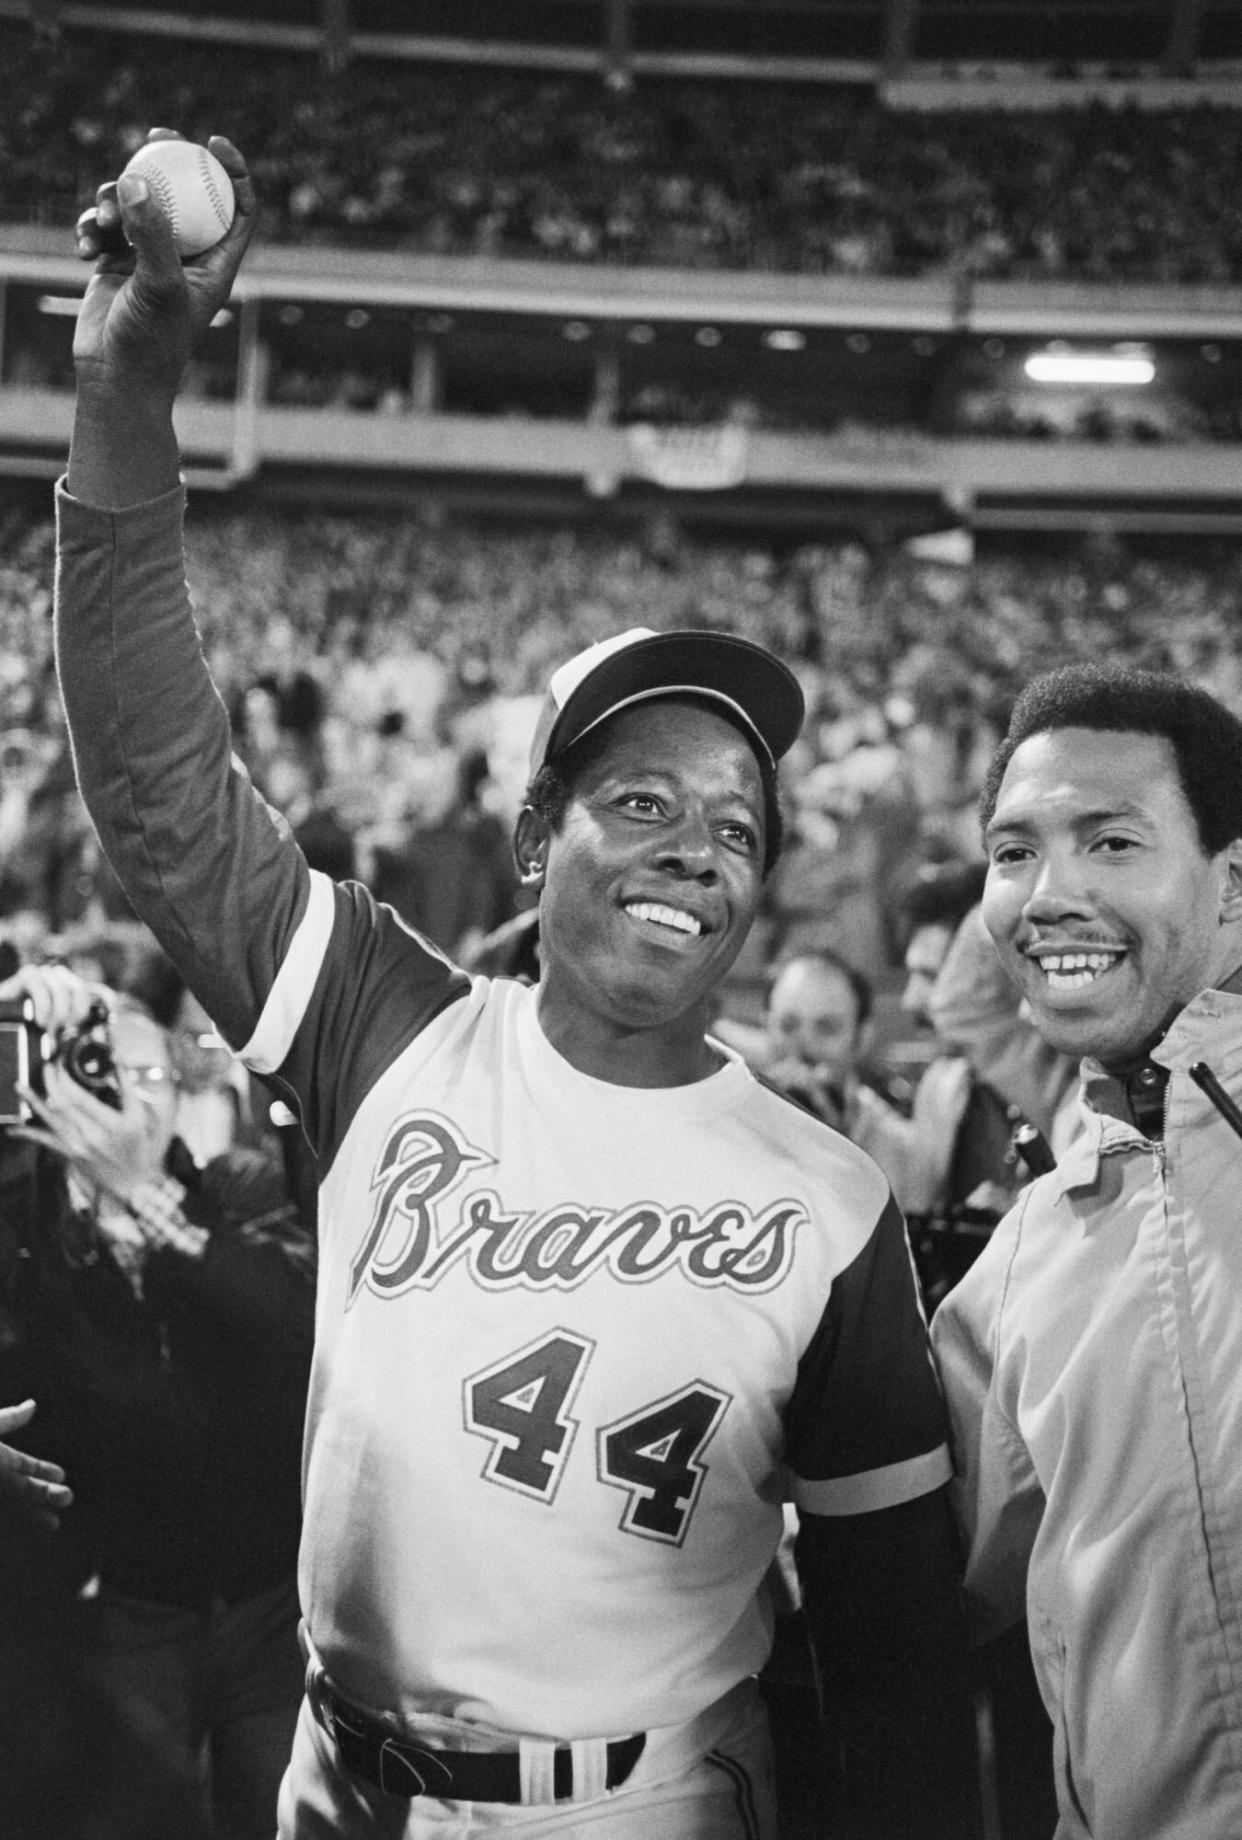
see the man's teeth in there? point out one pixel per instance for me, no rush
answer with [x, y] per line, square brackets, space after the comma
[664, 916]
[1071, 970]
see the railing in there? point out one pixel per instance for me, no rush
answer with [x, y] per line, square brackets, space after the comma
[1000, 482]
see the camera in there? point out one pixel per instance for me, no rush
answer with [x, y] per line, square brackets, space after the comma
[17, 1035]
[823, 1099]
[85, 1053]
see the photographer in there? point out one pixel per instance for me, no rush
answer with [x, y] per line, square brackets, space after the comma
[161, 1315]
[816, 1036]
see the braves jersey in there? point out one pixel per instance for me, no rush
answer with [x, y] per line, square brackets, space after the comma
[575, 1342]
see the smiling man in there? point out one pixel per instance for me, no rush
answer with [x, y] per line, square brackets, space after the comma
[592, 1300]
[1093, 1354]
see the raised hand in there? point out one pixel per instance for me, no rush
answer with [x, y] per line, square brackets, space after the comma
[109, 1148]
[146, 311]
[59, 999]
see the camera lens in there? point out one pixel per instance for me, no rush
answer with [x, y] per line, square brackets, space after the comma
[86, 1057]
[89, 1062]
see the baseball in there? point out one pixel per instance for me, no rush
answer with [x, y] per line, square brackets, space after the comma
[191, 188]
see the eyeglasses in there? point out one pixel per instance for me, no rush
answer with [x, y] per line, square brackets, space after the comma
[205, 1038]
[147, 1076]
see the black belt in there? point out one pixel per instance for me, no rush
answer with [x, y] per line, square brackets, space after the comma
[398, 1766]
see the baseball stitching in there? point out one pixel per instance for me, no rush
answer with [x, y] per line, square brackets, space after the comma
[165, 196]
[213, 191]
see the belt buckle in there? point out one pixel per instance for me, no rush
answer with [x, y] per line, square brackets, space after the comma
[399, 1773]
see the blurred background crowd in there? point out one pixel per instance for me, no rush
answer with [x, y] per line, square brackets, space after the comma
[696, 173]
[383, 675]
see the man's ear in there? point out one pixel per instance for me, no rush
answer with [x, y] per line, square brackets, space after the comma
[1231, 886]
[530, 847]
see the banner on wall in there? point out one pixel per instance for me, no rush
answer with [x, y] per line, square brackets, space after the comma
[689, 459]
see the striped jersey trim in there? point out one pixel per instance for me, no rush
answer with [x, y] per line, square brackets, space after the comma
[269, 1046]
[876, 1488]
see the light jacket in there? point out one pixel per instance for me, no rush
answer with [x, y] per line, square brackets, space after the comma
[1092, 1359]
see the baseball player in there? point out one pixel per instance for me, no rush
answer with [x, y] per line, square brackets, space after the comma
[592, 1301]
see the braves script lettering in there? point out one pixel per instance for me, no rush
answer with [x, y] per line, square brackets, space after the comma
[417, 1233]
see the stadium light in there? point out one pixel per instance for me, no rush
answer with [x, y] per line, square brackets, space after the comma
[1125, 366]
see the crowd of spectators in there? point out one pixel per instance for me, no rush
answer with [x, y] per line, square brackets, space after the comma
[383, 674]
[696, 173]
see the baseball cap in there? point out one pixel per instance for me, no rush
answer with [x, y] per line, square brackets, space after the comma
[760, 692]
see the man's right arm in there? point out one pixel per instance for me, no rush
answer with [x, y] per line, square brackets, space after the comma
[314, 984]
[194, 848]
[201, 859]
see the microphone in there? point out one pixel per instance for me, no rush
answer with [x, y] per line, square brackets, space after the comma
[1204, 1078]
[1032, 1146]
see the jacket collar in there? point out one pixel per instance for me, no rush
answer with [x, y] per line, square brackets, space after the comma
[1208, 1029]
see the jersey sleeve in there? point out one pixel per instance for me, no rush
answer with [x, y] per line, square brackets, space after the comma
[866, 1427]
[298, 974]
[196, 849]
